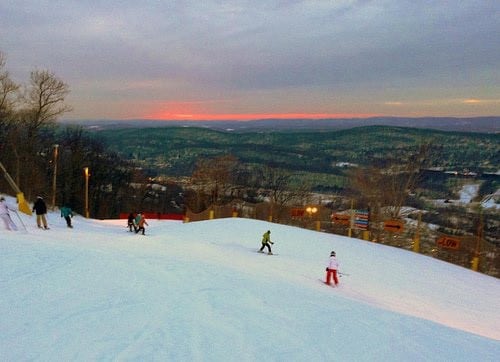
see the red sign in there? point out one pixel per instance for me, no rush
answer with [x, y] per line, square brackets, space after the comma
[342, 219]
[295, 212]
[394, 226]
[448, 242]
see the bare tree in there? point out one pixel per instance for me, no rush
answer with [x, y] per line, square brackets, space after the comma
[42, 103]
[8, 90]
[282, 192]
[385, 189]
[215, 177]
[45, 100]
[8, 97]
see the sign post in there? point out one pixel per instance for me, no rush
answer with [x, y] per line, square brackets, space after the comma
[416, 239]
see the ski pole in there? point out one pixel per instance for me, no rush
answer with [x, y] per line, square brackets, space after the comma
[21, 220]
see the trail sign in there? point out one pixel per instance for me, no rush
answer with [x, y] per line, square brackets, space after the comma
[448, 242]
[342, 219]
[394, 226]
[362, 219]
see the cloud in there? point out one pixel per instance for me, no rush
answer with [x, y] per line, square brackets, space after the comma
[474, 101]
[345, 49]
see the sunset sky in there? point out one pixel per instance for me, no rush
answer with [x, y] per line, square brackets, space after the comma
[249, 59]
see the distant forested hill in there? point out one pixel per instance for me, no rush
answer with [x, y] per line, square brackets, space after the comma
[465, 124]
[174, 151]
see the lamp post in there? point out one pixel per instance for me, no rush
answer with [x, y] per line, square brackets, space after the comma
[54, 179]
[86, 171]
[312, 210]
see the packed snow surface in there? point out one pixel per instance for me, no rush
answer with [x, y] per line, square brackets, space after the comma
[200, 292]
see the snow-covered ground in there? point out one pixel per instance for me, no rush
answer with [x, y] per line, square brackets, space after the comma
[491, 201]
[200, 292]
[467, 193]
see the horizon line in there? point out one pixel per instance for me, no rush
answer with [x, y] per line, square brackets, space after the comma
[273, 118]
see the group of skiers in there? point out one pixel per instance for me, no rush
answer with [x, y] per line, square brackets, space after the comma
[332, 265]
[137, 222]
[40, 210]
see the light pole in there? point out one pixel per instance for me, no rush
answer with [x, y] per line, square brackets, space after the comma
[312, 210]
[86, 171]
[54, 179]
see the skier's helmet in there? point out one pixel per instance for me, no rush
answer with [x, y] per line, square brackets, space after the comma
[332, 253]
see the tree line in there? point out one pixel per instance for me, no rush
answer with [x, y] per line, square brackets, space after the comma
[48, 160]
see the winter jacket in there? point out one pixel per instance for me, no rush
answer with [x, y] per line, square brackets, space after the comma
[332, 263]
[142, 221]
[66, 211]
[266, 238]
[40, 207]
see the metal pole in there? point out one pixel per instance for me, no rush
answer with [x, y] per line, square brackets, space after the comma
[54, 179]
[86, 170]
[21, 220]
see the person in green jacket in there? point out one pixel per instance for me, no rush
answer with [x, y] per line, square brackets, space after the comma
[67, 214]
[266, 241]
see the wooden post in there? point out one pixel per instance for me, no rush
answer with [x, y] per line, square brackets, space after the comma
[54, 177]
[351, 221]
[475, 259]
[416, 238]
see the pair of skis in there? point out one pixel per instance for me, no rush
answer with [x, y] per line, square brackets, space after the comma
[332, 284]
[262, 252]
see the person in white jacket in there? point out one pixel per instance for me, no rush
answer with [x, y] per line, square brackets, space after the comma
[5, 216]
[331, 269]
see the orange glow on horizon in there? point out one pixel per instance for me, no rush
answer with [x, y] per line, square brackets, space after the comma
[166, 116]
[205, 111]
